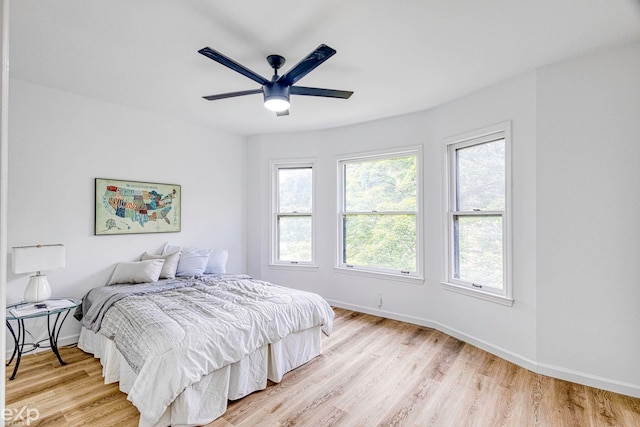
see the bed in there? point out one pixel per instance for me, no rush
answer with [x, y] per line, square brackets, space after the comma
[181, 348]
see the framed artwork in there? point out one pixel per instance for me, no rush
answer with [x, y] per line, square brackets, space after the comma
[129, 207]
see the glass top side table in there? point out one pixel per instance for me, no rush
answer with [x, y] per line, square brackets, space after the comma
[58, 308]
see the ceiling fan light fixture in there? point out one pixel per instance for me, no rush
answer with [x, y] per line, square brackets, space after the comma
[276, 97]
[276, 103]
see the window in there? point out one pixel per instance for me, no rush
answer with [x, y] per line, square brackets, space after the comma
[379, 213]
[478, 216]
[293, 214]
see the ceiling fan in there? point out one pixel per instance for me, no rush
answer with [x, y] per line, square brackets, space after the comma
[276, 91]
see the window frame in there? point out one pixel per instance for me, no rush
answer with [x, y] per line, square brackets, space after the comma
[398, 275]
[276, 166]
[451, 145]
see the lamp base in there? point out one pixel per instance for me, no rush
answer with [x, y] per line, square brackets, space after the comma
[38, 289]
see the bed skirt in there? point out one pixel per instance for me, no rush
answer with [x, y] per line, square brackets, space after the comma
[207, 399]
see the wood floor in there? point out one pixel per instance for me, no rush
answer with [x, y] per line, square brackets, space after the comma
[372, 372]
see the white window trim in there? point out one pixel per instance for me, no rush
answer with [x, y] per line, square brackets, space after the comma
[504, 296]
[340, 267]
[276, 165]
[384, 274]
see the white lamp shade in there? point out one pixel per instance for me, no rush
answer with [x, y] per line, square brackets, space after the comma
[29, 259]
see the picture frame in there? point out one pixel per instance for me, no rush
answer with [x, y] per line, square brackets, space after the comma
[134, 207]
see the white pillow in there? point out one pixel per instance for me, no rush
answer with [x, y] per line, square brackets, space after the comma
[193, 261]
[170, 264]
[137, 272]
[170, 249]
[217, 262]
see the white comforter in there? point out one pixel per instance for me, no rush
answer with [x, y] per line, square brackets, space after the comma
[175, 337]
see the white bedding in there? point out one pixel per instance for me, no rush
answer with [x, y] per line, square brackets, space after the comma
[206, 400]
[174, 338]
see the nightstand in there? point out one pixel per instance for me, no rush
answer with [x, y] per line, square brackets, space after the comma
[56, 309]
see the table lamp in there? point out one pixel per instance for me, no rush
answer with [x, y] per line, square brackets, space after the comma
[30, 259]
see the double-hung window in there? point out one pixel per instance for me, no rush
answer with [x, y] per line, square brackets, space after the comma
[478, 214]
[293, 235]
[379, 216]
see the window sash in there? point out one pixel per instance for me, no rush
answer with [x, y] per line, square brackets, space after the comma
[468, 195]
[454, 275]
[370, 202]
[375, 258]
[461, 264]
[343, 213]
[285, 247]
[278, 190]
[281, 248]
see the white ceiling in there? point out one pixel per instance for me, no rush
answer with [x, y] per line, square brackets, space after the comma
[397, 56]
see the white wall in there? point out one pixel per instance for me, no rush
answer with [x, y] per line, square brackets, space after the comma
[59, 142]
[507, 331]
[588, 178]
[576, 236]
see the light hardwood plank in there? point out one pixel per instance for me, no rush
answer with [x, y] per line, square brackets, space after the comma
[373, 371]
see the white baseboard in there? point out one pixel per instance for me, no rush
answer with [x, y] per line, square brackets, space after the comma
[532, 365]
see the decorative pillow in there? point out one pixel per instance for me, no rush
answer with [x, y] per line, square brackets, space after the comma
[170, 264]
[217, 262]
[170, 249]
[137, 272]
[193, 261]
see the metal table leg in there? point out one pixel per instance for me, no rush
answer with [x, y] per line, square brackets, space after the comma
[18, 345]
[15, 345]
[54, 333]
